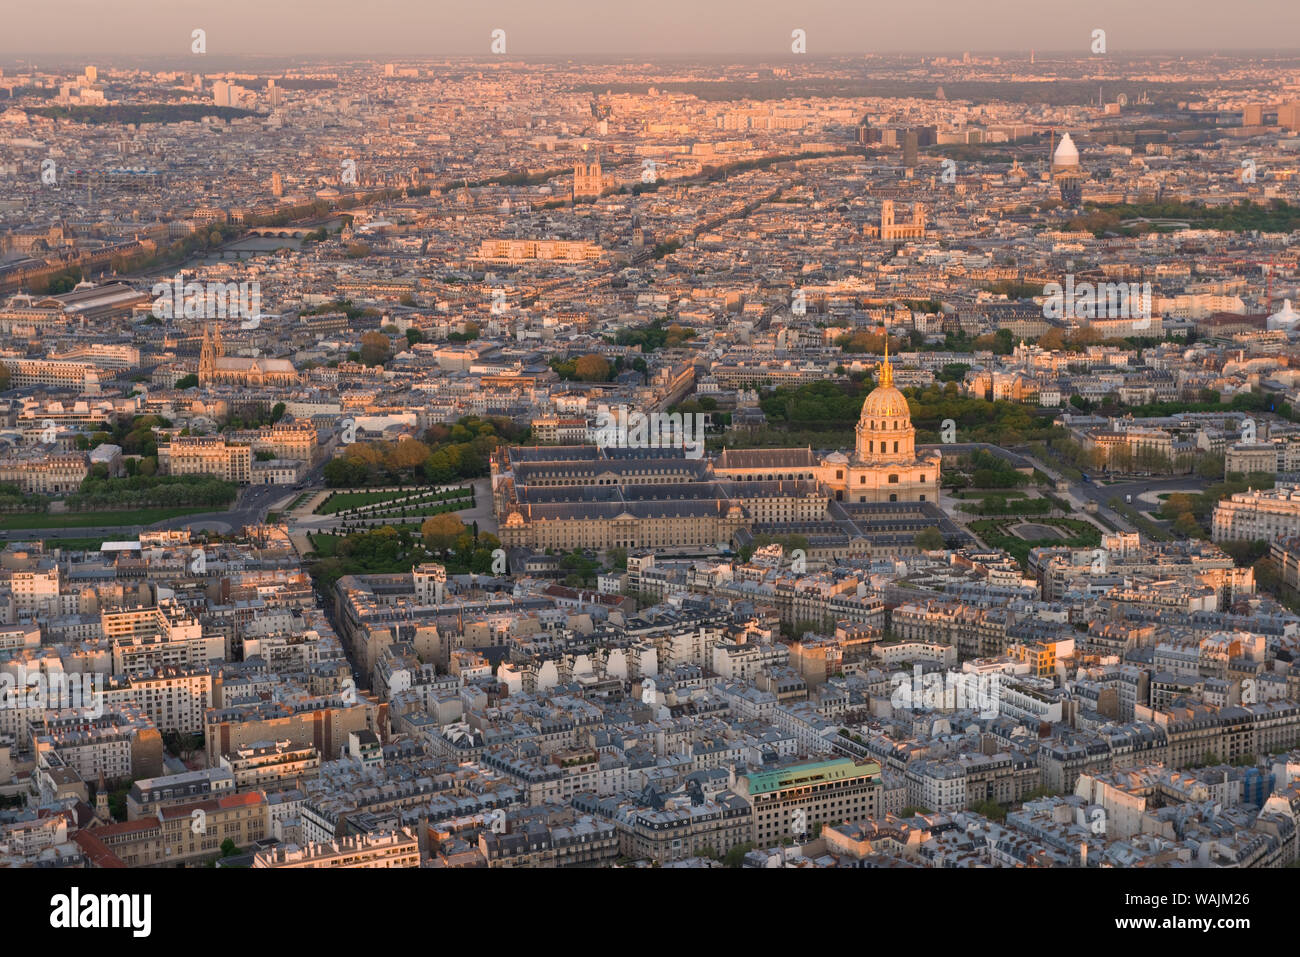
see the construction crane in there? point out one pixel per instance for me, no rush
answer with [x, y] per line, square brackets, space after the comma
[1267, 268]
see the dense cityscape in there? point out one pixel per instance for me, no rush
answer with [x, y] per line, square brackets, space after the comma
[876, 461]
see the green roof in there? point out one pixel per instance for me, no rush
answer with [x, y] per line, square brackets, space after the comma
[816, 772]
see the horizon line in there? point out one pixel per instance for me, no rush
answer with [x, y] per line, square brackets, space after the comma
[837, 54]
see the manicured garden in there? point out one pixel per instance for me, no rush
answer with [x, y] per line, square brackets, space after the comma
[997, 533]
[389, 501]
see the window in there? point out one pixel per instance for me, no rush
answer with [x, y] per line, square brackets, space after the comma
[893, 479]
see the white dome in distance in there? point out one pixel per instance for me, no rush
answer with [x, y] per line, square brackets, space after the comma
[1067, 154]
[1285, 318]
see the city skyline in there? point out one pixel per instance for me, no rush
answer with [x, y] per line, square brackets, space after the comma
[489, 457]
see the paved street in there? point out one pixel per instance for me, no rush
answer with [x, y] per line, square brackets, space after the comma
[1081, 493]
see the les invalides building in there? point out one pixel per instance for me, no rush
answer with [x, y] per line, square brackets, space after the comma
[586, 496]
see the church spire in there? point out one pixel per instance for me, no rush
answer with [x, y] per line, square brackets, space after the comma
[207, 357]
[886, 370]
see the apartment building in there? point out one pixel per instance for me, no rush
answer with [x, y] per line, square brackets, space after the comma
[520, 250]
[321, 722]
[147, 639]
[790, 801]
[58, 373]
[179, 834]
[174, 696]
[207, 455]
[1259, 515]
[148, 795]
[675, 827]
[269, 766]
[40, 471]
[34, 590]
[381, 849]
[296, 441]
[587, 842]
[120, 744]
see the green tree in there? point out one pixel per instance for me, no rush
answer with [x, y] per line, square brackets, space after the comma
[442, 531]
[592, 368]
[990, 809]
[736, 856]
[929, 539]
[375, 349]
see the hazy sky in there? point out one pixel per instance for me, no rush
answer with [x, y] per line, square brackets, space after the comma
[665, 27]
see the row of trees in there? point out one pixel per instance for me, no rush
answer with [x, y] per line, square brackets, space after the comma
[817, 405]
[872, 343]
[448, 452]
[14, 499]
[1000, 343]
[832, 409]
[1276, 216]
[98, 491]
[1241, 402]
[978, 420]
[1143, 459]
[659, 334]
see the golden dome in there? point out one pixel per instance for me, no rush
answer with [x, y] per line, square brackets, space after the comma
[885, 402]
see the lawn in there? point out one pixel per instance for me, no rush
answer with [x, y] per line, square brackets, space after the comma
[342, 501]
[417, 511]
[77, 544]
[139, 516]
[325, 545]
[345, 500]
